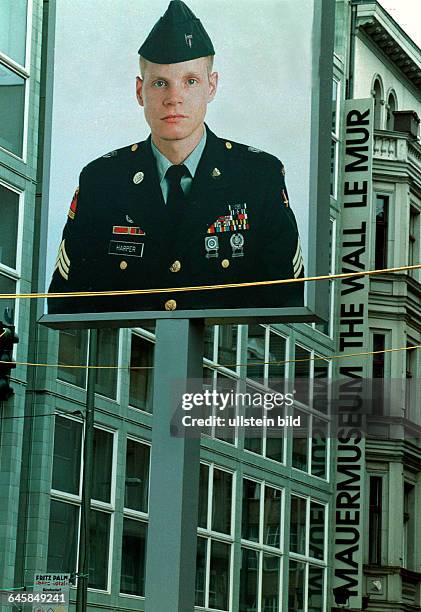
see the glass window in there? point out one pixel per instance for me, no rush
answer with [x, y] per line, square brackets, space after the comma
[200, 590]
[377, 93]
[203, 496]
[221, 501]
[296, 586]
[73, 350]
[219, 575]
[133, 557]
[249, 580]
[319, 437]
[9, 214]
[382, 219]
[414, 241]
[13, 29]
[390, 109]
[272, 517]
[270, 583]
[137, 476]
[209, 342]
[317, 530]
[7, 307]
[300, 442]
[298, 525]
[103, 464]
[106, 379]
[256, 352]
[302, 374]
[227, 346]
[277, 353]
[315, 589]
[141, 380]
[67, 455]
[62, 537]
[12, 108]
[99, 540]
[251, 510]
[375, 520]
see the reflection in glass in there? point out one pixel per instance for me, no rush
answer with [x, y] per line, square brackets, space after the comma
[298, 525]
[62, 537]
[256, 352]
[67, 454]
[270, 583]
[133, 557]
[250, 517]
[203, 496]
[103, 461]
[137, 476]
[99, 540]
[317, 530]
[219, 575]
[227, 346]
[13, 29]
[106, 379]
[296, 586]
[300, 442]
[249, 574]
[221, 501]
[12, 105]
[72, 350]
[7, 307]
[272, 517]
[141, 380]
[315, 589]
[9, 214]
[200, 590]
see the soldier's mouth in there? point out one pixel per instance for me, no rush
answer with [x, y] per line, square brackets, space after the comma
[173, 118]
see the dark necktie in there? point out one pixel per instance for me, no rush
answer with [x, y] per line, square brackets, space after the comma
[176, 200]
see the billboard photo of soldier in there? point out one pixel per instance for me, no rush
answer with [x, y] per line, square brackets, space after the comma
[184, 206]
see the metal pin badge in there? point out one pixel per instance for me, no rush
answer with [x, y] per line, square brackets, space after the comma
[216, 173]
[138, 178]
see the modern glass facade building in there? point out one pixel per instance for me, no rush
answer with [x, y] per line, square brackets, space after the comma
[266, 539]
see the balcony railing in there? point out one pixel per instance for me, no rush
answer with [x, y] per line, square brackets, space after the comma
[396, 146]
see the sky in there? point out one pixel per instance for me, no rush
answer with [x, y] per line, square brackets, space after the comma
[407, 13]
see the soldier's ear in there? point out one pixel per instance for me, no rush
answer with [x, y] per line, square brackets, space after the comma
[213, 85]
[139, 90]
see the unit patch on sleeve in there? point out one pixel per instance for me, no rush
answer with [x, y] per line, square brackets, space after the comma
[73, 205]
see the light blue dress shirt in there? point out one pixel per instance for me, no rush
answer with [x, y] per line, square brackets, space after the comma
[191, 163]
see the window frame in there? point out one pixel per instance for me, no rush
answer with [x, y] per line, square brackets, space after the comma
[208, 534]
[108, 508]
[130, 513]
[24, 72]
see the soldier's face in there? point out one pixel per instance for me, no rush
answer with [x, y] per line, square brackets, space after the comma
[175, 97]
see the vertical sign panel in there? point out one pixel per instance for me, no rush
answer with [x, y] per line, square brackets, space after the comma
[354, 337]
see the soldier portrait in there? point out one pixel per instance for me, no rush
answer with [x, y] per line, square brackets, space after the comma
[184, 207]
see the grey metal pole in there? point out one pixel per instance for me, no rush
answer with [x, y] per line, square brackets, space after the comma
[83, 564]
[174, 484]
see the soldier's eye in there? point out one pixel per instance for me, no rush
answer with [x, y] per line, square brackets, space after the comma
[159, 84]
[192, 81]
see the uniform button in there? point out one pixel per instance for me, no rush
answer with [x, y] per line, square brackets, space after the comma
[225, 263]
[170, 305]
[134, 147]
[228, 145]
[123, 265]
[176, 266]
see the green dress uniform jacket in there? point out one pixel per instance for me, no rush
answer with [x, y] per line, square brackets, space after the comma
[237, 227]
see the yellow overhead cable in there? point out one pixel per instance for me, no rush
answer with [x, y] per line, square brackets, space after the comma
[283, 281]
[230, 365]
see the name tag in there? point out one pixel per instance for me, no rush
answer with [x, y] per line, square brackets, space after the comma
[129, 249]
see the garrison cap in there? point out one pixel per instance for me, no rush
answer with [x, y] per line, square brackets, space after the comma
[178, 36]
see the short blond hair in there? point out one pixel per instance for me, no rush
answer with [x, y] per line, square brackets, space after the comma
[143, 62]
